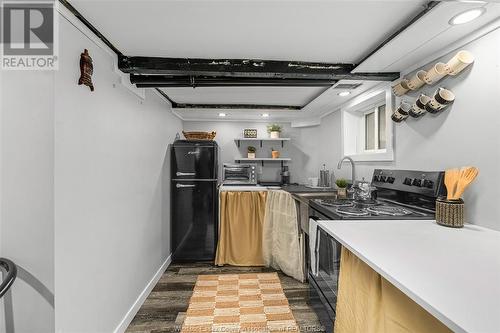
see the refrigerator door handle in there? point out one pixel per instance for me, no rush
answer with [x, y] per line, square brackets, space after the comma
[184, 186]
[185, 173]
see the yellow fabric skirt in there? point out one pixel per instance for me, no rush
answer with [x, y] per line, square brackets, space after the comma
[240, 228]
[368, 303]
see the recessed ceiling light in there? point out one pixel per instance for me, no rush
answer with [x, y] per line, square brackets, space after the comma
[222, 114]
[344, 93]
[265, 115]
[467, 16]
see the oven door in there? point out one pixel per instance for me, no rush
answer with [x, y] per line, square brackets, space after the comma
[239, 174]
[328, 263]
[324, 284]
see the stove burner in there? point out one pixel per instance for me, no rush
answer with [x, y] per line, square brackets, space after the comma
[389, 210]
[337, 203]
[369, 202]
[352, 211]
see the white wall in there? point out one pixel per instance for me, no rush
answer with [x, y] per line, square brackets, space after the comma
[27, 198]
[111, 191]
[84, 193]
[465, 134]
[227, 131]
[322, 145]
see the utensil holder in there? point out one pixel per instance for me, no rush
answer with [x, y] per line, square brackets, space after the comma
[450, 213]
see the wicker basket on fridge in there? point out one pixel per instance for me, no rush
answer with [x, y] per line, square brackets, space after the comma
[199, 135]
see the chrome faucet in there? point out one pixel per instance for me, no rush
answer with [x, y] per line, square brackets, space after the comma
[353, 169]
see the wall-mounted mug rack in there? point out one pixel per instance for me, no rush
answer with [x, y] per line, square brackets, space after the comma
[438, 71]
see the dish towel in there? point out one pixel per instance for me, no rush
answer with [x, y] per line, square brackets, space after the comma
[280, 237]
[313, 233]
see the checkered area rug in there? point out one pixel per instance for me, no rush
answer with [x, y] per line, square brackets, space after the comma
[239, 303]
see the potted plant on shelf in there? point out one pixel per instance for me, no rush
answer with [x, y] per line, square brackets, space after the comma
[341, 187]
[275, 153]
[251, 152]
[274, 131]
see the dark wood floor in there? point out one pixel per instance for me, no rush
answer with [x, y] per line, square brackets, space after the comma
[164, 309]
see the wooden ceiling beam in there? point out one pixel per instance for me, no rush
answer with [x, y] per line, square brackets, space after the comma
[246, 68]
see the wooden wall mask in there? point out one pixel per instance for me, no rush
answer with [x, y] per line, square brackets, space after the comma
[86, 70]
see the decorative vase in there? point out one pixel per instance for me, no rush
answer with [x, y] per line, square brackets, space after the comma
[275, 154]
[275, 135]
[251, 155]
[342, 192]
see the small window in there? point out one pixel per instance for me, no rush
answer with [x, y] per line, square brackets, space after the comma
[366, 126]
[375, 136]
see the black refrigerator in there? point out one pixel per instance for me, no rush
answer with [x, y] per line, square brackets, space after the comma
[194, 200]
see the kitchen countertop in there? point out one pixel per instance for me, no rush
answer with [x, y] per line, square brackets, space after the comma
[305, 189]
[294, 189]
[452, 273]
[247, 188]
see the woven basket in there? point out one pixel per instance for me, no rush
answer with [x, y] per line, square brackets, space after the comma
[450, 213]
[199, 135]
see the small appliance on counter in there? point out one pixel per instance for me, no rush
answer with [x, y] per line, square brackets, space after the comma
[239, 174]
[285, 176]
[400, 195]
[321, 182]
[194, 184]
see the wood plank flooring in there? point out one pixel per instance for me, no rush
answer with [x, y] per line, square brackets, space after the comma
[164, 309]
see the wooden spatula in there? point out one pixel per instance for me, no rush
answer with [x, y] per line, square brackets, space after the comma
[451, 177]
[467, 176]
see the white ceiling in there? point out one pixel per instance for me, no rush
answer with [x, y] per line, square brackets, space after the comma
[324, 103]
[300, 30]
[325, 31]
[427, 36]
[293, 96]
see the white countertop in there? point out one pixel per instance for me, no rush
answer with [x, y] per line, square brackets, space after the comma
[453, 273]
[244, 188]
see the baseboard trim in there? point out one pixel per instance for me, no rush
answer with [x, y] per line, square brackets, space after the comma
[122, 327]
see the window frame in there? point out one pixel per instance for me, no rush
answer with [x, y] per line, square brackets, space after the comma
[353, 125]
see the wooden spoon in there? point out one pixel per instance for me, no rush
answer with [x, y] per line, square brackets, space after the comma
[450, 180]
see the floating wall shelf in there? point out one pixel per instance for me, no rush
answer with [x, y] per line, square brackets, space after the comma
[282, 140]
[263, 159]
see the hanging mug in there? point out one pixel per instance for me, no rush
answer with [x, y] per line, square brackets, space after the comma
[418, 108]
[441, 99]
[401, 88]
[460, 61]
[436, 73]
[401, 112]
[417, 80]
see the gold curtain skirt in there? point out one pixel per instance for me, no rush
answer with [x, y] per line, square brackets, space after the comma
[369, 303]
[240, 228]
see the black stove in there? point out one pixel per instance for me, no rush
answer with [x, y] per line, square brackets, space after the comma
[401, 195]
[377, 210]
